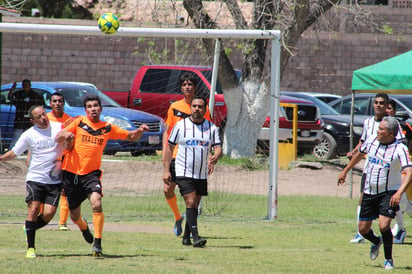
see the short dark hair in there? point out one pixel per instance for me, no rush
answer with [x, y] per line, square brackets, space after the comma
[201, 98]
[188, 76]
[57, 94]
[392, 103]
[382, 95]
[91, 97]
[26, 81]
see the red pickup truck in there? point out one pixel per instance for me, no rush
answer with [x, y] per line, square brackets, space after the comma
[155, 87]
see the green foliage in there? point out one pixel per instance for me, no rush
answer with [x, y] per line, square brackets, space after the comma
[387, 29]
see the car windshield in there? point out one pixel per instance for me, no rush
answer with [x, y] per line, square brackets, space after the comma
[74, 96]
[406, 100]
[324, 108]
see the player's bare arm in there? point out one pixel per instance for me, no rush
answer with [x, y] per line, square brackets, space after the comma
[406, 181]
[213, 158]
[167, 158]
[353, 162]
[9, 155]
[353, 152]
[136, 134]
[164, 141]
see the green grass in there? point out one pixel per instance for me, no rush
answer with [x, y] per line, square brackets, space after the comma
[310, 235]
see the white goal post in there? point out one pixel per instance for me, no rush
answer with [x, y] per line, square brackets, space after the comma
[273, 35]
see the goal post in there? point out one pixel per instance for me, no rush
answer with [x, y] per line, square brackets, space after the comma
[273, 35]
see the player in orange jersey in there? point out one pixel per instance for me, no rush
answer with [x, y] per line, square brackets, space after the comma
[58, 115]
[81, 166]
[178, 111]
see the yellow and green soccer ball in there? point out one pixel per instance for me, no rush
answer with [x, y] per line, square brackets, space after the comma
[108, 23]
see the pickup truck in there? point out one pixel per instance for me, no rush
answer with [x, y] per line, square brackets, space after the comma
[155, 87]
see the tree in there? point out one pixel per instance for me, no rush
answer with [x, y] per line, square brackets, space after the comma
[248, 103]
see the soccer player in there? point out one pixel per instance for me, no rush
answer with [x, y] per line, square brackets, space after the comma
[370, 127]
[43, 180]
[194, 136]
[58, 115]
[384, 186]
[81, 166]
[177, 111]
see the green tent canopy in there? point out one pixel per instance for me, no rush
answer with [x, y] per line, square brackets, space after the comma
[393, 75]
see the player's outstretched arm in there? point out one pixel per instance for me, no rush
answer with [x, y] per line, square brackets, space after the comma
[9, 155]
[136, 134]
[356, 159]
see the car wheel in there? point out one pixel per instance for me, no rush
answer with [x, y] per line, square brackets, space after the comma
[327, 148]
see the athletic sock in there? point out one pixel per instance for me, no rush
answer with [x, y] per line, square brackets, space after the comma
[387, 239]
[186, 233]
[371, 237]
[30, 233]
[64, 210]
[173, 206]
[40, 222]
[98, 221]
[81, 223]
[357, 216]
[399, 220]
[191, 220]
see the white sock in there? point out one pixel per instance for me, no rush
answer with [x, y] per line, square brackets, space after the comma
[357, 217]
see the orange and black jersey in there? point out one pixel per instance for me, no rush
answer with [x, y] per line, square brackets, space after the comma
[89, 143]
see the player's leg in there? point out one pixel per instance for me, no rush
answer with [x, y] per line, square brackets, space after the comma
[399, 230]
[34, 200]
[358, 237]
[98, 222]
[64, 212]
[169, 192]
[51, 194]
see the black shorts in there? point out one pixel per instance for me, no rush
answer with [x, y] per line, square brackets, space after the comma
[374, 205]
[45, 193]
[78, 187]
[172, 170]
[362, 182]
[187, 185]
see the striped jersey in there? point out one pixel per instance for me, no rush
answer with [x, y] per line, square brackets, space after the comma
[384, 165]
[194, 143]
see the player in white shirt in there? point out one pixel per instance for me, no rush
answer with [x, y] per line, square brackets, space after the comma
[195, 138]
[386, 159]
[43, 179]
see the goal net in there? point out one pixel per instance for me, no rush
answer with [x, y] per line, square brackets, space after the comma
[132, 179]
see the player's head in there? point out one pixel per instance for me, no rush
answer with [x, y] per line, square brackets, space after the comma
[188, 84]
[391, 107]
[38, 116]
[387, 130]
[93, 107]
[379, 105]
[57, 103]
[198, 108]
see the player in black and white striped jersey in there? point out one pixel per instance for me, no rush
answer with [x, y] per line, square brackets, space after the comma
[387, 158]
[195, 137]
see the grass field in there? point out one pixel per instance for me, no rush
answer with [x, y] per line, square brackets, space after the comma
[311, 235]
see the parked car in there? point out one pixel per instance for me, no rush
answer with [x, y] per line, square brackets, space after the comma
[325, 97]
[363, 106]
[112, 112]
[310, 125]
[336, 133]
[155, 87]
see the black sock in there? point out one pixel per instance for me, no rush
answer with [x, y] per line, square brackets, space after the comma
[98, 242]
[30, 233]
[371, 237]
[186, 233]
[191, 220]
[40, 222]
[387, 239]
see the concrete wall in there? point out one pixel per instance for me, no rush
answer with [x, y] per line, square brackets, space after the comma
[324, 61]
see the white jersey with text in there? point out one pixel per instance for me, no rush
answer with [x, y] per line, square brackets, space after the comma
[384, 165]
[43, 168]
[194, 143]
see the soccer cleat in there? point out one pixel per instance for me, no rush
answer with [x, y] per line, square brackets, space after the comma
[358, 239]
[87, 235]
[31, 253]
[178, 226]
[97, 252]
[200, 242]
[375, 249]
[186, 241]
[388, 264]
[399, 237]
[64, 227]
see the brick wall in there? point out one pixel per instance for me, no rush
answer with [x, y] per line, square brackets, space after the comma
[324, 61]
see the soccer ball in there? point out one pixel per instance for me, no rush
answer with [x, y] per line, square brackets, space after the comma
[108, 23]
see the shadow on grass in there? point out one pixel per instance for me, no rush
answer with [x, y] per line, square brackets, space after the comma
[106, 256]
